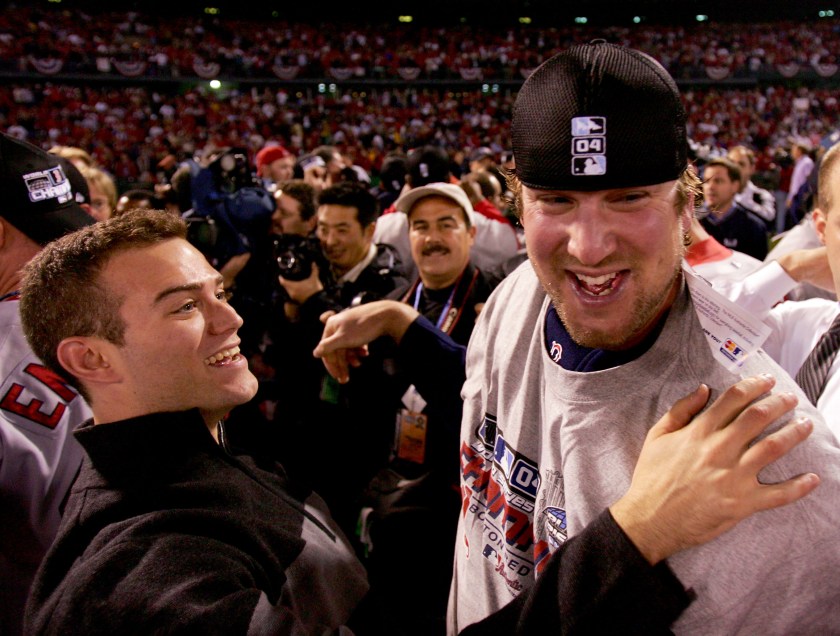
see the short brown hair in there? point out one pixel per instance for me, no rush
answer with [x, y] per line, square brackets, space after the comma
[61, 295]
[733, 170]
[301, 192]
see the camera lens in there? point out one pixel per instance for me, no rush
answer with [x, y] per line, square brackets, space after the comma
[286, 261]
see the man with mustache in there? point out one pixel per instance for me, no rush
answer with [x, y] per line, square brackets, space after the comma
[449, 290]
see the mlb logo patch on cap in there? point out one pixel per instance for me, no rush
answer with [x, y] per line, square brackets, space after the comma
[589, 143]
[596, 117]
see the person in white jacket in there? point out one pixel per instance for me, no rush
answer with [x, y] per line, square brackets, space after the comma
[797, 326]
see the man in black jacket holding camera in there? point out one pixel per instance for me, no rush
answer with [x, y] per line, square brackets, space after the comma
[321, 423]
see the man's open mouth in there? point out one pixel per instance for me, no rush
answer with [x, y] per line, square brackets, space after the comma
[223, 357]
[598, 285]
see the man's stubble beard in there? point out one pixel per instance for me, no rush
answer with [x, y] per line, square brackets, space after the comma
[644, 313]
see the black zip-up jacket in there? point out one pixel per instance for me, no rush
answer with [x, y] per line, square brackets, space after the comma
[166, 531]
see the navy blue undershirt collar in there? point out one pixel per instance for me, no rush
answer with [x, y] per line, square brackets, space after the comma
[571, 356]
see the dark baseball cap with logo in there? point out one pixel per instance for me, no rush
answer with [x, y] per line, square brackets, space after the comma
[598, 116]
[37, 195]
[428, 164]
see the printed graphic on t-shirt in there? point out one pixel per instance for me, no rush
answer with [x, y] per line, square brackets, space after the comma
[550, 528]
[500, 489]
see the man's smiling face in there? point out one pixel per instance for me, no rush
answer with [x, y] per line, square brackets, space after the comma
[609, 260]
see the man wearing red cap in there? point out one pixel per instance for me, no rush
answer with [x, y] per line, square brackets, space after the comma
[275, 165]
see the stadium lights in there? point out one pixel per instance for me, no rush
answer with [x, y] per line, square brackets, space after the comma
[828, 13]
[581, 20]
[637, 19]
[701, 18]
[211, 10]
[524, 20]
[406, 18]
[215, 84]
[55, 1]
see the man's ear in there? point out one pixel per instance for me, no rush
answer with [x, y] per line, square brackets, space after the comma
[819, 223]
[471, 231]
[87, 359]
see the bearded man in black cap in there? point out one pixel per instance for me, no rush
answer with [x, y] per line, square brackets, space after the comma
[585, 346]
[38, 456]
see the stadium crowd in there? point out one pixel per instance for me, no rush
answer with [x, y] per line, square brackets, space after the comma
[275, 66]
[133, 131]
[171, 46]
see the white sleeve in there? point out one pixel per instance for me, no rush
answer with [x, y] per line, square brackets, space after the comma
[759, 291]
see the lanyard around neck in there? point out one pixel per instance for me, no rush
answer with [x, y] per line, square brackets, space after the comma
[454, 306]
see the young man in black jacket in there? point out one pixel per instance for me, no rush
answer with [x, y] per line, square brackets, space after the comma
[168, 528]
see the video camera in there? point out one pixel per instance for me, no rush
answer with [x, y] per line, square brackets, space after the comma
[230, 209]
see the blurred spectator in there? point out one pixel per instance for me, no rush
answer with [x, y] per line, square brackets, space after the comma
[295, 212]
[730, 224]
[103, 192]
[800, 151]
[334, 163]
[313, 170]
[757, 200]
[391, 179]
[80, 158]
[275, 165]
[490, 203]
[482, 159]
[137, 199]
